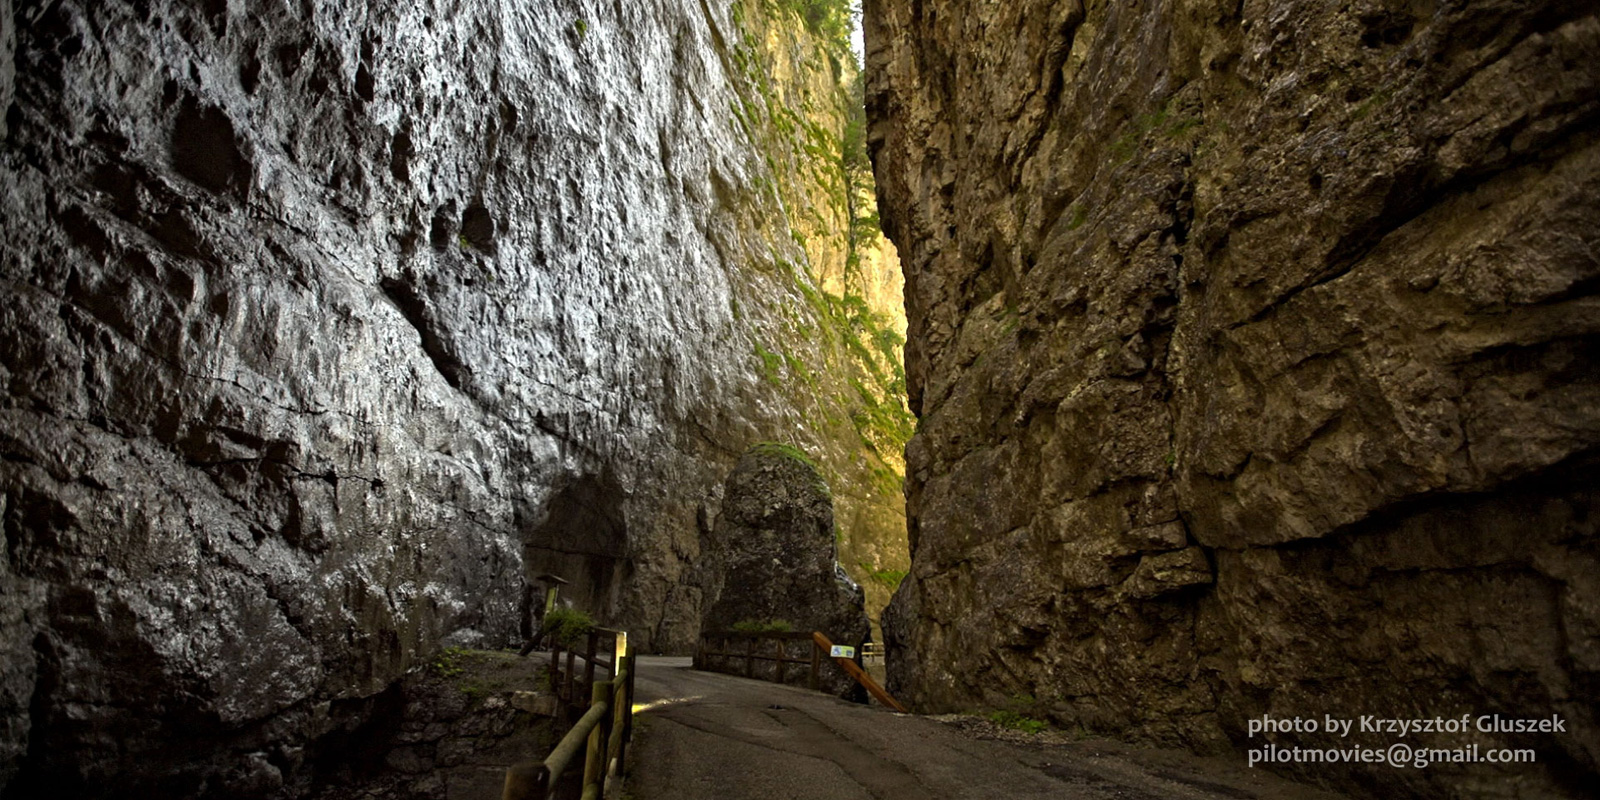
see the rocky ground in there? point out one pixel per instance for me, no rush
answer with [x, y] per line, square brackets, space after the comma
[449, 731]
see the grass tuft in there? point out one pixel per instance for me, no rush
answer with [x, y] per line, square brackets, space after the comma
[763, 626]
[1018, 722]
[568, 625]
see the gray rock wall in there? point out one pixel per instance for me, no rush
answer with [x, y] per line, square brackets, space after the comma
[1253, 347]
[774, 553]
[324, 322]
[774, 558]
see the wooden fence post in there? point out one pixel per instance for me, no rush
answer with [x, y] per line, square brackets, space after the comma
[529, 781]
[627, 722]
[588, 659]
[617, 745]
[568, 700]
[555, 667]
[816, 667]
[594, 764]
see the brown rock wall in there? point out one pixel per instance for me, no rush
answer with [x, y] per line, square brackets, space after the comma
[1253, 350]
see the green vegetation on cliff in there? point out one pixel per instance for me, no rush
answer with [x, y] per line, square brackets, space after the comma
[834, 352]
[828, 20]
[788, 451]
[568, 625]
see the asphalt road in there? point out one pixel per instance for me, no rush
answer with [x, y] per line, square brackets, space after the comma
[704, 735]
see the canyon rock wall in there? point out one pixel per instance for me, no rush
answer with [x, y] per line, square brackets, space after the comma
[833, 345]
[1254, 351]
[325, 323]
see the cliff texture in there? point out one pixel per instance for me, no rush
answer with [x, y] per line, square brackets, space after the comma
[325, 323]
[774, 560]
[1254, 352]
[833, 350]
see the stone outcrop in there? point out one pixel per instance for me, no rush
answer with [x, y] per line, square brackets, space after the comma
[772, 553]
[325, 323]
[451, 729]
[1254, 352]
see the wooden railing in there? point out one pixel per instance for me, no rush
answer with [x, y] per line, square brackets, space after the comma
[872, 653]
[720, 652]
[600, 649]
[603, 731]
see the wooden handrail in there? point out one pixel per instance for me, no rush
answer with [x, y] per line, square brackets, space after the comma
[854, 670]
[605, 728]
[752, 652]
[820, 645]
[566, 682]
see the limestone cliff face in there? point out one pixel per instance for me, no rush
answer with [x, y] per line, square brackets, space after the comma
[1253, 348]
[834, 351]
[324, 323]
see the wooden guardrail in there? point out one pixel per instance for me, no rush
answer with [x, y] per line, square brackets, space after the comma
[603, 731]
[720, 652]
[873, 653]
[599, 649]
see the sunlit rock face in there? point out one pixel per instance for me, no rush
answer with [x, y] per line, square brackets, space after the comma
[325, 323]
[1254, 350]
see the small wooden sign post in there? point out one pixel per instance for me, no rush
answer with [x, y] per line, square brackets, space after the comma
[854, 670]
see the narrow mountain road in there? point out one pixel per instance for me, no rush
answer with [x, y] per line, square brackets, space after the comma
[703, 735]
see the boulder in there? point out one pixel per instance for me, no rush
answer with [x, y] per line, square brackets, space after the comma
[773, 557]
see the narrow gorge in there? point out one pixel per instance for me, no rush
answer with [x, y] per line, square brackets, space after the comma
[1171, 365]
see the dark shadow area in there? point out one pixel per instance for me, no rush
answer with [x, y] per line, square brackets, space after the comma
[582, 537]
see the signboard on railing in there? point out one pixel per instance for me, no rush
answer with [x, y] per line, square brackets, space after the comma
[841, 651]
